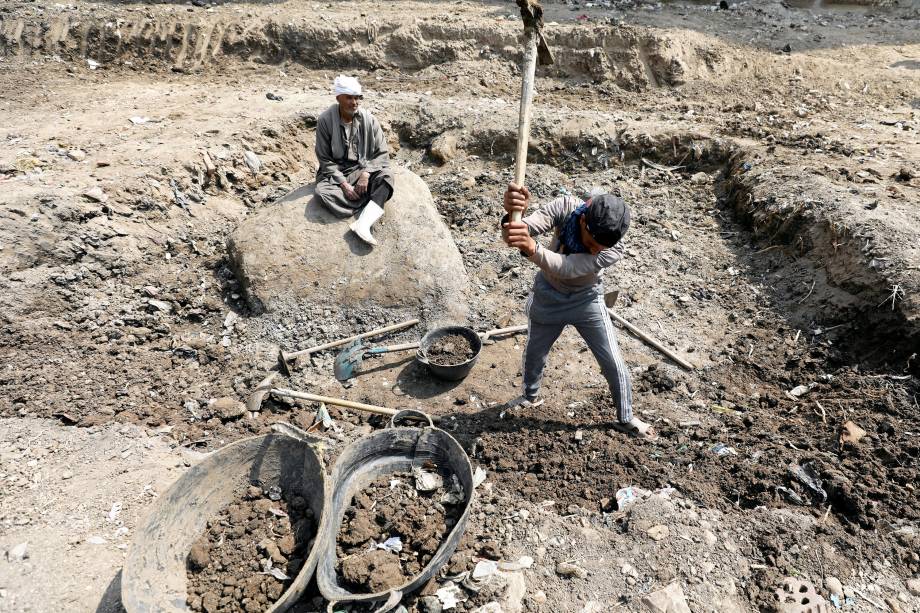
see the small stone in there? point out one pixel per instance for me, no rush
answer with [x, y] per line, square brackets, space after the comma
[227, 408]
[700, 178]
[524, 514]
[77, 155]
[913, 586]
[199, 556]
[159, 305]
[538, 597]
[579, 436]
[96, 194]
[567, 569]
[710, 538]
[18, 553]
[252, 161]
[67, 474]
[444, 148]
[834, 586]
[659, 532]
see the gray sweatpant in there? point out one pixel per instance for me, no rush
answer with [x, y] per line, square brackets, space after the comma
[549, 311]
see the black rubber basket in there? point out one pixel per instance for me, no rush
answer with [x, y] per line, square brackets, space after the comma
[154, 575]
[395, 449]
[454, 372]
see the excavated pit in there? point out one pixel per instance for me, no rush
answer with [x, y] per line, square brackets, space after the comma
[763, 292]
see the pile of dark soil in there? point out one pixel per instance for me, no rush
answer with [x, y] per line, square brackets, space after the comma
[250, 552]
[450, 350]
[391, 508]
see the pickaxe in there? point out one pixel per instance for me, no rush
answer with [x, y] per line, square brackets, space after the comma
[535, 49]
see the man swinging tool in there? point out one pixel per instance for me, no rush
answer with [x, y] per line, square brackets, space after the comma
[568, 289]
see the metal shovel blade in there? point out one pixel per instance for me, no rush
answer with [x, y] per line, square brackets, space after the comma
[349, 360]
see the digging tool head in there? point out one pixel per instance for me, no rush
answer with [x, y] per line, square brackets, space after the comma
[532, 14]
[610, 298]
[349, 360]
[283, 365]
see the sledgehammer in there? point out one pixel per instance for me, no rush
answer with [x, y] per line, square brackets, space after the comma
[535, 49]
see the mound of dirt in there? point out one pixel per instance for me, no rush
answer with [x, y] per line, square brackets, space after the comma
[250, 553]
[450, 350]
[298, 252]
[393, 528]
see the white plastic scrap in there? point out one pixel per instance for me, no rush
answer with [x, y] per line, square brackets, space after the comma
[521, 564]
[456, 493]
[278, 574]
[479, 476]
[392, 544]
[394, 483]
[114, 512]
[450, 596]
[139, 121]
[426, 481]
[93, 64]
[484, 568]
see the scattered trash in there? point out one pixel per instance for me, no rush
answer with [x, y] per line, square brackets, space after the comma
[274, 493]
[323, 417]
[628, 495]
[479, 476]
[93, 64]
[522, 563]
[659, 166]
[114, 512]
[484, 569]
[723, 449]
[567, 569]
[790, 495]
[450, 596]
[800, 390]
[806, 476]
[139, 120]
[851, 433]
[278, 574]
[275, 97]
[455, 495]
[392, 544]
[426, 481]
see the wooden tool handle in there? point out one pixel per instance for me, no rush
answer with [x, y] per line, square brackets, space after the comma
[384, 330]
[391, 348]
[651, 341]
[491, 333]
[528, 70]
[338, 402]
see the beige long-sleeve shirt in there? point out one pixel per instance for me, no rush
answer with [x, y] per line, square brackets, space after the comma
[567, 273]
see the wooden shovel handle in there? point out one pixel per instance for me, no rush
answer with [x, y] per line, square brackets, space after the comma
[651, 341]
[343, 341]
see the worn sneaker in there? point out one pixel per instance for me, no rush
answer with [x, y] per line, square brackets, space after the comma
[525, 402]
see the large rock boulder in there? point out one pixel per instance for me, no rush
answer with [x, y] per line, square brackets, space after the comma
[296, 251]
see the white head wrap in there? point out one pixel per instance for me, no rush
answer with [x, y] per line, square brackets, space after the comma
[347, 85]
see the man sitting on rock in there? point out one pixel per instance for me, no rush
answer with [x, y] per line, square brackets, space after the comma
[568, 288]
[354, 161]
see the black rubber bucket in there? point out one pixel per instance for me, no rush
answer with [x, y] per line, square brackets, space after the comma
[454, 372]
[153, 578]
[395, 449]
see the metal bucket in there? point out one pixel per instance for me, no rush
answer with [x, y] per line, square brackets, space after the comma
[454, 372]
[154, 575]
[395, 449]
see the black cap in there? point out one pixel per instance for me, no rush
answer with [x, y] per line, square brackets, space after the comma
[607, 219]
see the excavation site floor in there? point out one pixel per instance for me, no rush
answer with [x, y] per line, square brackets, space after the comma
[770, 156]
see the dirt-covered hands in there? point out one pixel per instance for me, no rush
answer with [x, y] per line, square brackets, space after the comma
[517, 233]
[361, 185]
[349, 191]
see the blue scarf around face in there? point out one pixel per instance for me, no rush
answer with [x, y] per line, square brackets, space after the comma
[570, 232]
